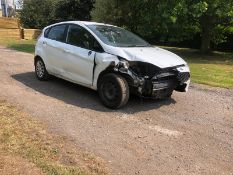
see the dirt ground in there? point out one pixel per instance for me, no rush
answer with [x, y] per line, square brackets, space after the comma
[189, 134]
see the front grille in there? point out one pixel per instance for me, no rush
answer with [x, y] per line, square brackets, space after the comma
[183, 76]
[165, 76]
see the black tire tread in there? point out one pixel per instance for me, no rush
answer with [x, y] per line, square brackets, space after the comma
[124, 88]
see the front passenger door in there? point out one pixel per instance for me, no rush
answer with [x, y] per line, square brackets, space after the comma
[80, 55]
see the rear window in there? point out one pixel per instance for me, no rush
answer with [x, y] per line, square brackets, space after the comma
[57, 33]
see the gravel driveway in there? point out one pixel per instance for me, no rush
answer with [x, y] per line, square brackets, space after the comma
[189, 134]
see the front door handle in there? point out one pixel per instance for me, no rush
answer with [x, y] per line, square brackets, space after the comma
[44, 43]
[89, 53]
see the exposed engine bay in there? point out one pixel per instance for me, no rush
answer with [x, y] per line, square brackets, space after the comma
[148, 80]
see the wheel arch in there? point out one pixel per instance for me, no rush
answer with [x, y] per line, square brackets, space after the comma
[128, 79]
[37, 57]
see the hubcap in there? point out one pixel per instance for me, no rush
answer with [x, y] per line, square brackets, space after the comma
[110, 91]
[40, 69]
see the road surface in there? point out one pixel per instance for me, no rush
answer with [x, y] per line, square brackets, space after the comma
[189, 134]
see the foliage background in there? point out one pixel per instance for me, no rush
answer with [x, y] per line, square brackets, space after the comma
[204, 24]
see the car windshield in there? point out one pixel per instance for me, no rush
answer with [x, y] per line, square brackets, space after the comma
[118, 37]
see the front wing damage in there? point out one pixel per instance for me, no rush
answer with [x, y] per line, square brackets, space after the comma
[147, 80]
[161, 84]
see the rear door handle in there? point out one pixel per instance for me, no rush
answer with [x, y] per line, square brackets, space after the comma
[44, 43]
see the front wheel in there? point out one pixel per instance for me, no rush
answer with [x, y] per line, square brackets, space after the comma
[113, 91]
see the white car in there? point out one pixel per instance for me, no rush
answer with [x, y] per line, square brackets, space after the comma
[109, 59]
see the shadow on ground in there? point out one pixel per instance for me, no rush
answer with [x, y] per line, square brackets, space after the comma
[83, 97]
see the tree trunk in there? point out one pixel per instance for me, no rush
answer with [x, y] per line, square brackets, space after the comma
[207, 24]
[205, 41]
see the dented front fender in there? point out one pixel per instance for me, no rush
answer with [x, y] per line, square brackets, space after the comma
[102, 62]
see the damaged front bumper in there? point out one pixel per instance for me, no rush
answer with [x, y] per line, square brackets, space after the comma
[162, 84]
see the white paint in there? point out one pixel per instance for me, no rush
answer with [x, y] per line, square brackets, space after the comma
[153, 55]
[165, 131]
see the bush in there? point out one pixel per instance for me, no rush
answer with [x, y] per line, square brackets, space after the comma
[38, 14]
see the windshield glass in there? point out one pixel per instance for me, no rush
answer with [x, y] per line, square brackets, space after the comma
[118, 37]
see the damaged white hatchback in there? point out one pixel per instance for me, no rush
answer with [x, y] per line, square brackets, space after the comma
[109, 59]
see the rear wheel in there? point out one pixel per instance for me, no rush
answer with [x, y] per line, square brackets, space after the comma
[40, 70]
[113, 91]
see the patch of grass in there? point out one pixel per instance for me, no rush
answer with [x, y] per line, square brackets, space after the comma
[214, 69]
[21, 136]
[20, 45]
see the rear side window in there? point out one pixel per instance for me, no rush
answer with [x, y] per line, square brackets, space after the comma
[57, 33]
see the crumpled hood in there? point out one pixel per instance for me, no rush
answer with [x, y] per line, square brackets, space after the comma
[154, 55]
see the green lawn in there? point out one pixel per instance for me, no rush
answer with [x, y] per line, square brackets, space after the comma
[20, 45]
[215, 69]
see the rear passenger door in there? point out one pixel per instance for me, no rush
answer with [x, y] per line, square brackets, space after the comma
[80, 54]
[53, 46]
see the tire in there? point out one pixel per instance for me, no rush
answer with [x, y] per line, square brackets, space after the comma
[113, 91]
[40, 70]
[169, 95]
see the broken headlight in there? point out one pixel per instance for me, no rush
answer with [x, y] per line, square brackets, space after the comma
[143, 69]
[123, 64]
[184, 68]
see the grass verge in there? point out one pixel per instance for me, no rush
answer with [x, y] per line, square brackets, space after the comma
[27, 148]
[215, 69]
[20, 45]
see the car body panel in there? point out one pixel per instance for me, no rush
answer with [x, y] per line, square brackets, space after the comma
[78, 64]
[54, 51]
[154, 55]
[102, 61]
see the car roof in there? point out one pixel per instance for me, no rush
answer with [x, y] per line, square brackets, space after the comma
[85, 23]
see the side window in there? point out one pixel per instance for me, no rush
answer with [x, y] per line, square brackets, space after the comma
[80, 37]
[46, 32]
[57, 33]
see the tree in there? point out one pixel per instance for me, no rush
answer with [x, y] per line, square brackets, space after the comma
[73, 10]
[125, 13]
[36, 13]
[210, 17]
[217, 16]
[172, 20]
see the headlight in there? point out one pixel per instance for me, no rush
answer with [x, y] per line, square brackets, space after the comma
[124, 64]
[184, 68]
